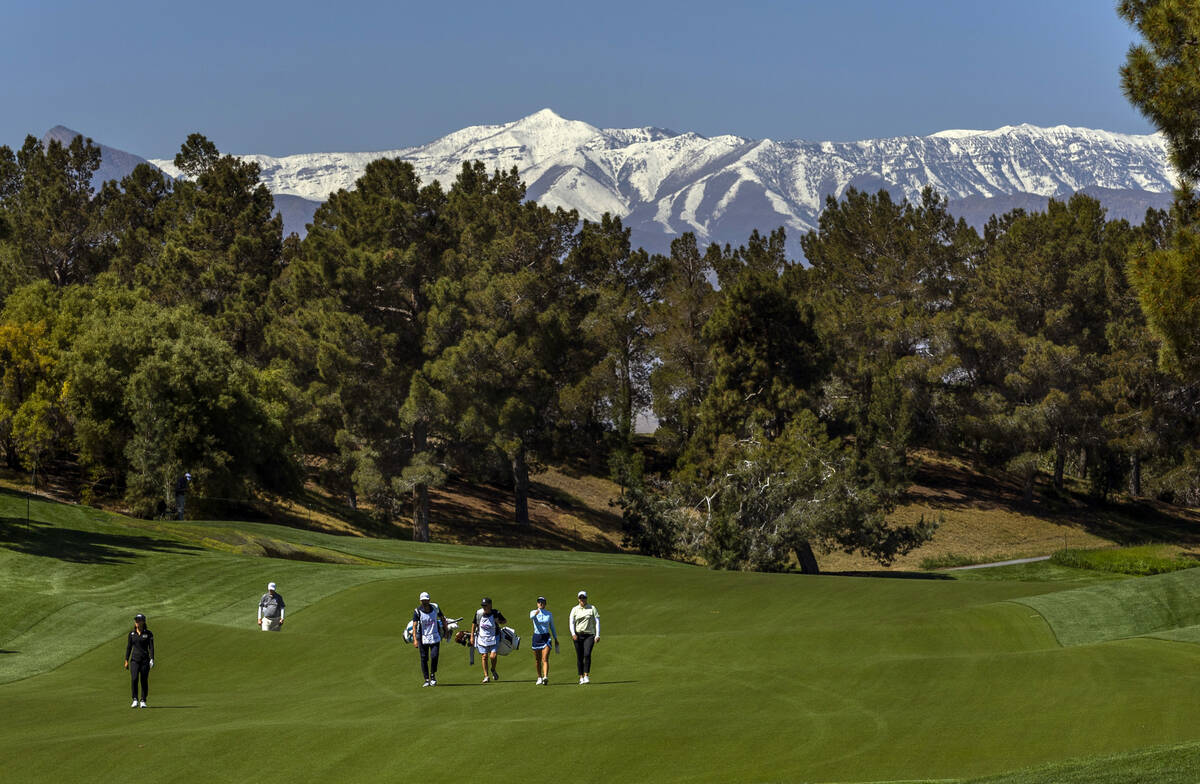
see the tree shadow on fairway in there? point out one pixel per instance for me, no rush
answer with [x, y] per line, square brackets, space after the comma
[88, 547]
[2, 651]
[892, 575]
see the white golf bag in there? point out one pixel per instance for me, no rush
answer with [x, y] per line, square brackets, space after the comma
[507, 641]
[451, 627]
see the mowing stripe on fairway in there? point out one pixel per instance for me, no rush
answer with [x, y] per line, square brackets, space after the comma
[699, 676]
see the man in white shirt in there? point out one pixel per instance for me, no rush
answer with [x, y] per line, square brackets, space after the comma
[270, 610]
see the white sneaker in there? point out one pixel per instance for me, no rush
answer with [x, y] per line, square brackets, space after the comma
[582, 680]
[142, 704]
[485, 679]
[426, 683]
[586, 679]
[539, 682]
[433, 681]
[133, 704]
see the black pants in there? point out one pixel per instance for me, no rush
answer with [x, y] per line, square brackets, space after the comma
[583, 652]
[139, 670]
[429, 657]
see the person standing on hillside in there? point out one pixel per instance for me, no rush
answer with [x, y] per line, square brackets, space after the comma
[485, 636]
[181, 489]
[270, 610]
[139, 659]
[543, 631]
[429, 627]
[585, 631]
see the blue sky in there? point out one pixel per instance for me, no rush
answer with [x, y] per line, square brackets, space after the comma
[260, 76]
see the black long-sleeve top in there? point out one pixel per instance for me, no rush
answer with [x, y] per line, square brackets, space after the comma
[140, 645]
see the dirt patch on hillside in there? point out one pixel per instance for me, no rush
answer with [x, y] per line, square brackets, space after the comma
[565, 513]
[983, 518]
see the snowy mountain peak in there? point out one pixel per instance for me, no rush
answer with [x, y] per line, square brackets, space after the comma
[662, 183]
[541, 117]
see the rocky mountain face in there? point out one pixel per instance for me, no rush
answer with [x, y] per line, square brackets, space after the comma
[663, 183]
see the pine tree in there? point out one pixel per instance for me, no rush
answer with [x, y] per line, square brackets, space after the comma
[618, 287]
[680, 379]
[352, 313]
[46, 197]
[1161, 76]
[503, 322]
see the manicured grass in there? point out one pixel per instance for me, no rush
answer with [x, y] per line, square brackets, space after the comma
[699, 676]
[1164, 604]
[1177, 764]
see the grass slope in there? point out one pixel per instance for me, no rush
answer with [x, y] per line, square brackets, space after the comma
[700, 676]
[1162, 604]
[1177, 764]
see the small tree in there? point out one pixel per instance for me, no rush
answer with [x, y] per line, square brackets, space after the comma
[770, 499]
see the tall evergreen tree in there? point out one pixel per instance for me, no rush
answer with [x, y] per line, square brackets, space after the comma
[46, 197]
[618, 288]
[352, 317]
[502, 326]
[679, 380]
[222, 245]
[884, 277]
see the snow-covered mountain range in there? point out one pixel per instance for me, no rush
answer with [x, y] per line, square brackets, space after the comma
[663, 183]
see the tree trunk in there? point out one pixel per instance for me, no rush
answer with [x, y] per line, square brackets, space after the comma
[626, 402]
[1060, 462]
[1027, 495]
[521, 486]
[421, 513]
[420, 490]
[808, 560]
[1084, 466]
[1135, 476]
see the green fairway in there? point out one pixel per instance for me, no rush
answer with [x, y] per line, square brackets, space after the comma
[699, 675]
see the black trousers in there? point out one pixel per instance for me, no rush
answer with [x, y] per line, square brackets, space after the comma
[583, 652]
[429, 657]
[139, 670]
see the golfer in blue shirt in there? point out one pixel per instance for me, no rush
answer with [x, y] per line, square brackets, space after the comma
[543, 632]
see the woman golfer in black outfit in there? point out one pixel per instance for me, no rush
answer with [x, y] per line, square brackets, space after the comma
[139, 658]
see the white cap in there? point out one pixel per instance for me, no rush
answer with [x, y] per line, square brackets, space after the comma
[270, 586]
[424, 595]
[583, 594]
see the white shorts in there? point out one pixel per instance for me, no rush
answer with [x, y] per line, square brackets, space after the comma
[272, 624]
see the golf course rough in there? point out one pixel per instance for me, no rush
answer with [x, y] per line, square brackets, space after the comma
[699, 675]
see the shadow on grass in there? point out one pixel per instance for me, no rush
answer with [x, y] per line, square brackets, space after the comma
[1123, 522]
[171, 707]
[483, 515]
[892, 575]
[2, 651]
[89, 547]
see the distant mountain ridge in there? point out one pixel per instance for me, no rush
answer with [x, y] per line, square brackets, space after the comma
[114, 163]
[663, 183]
